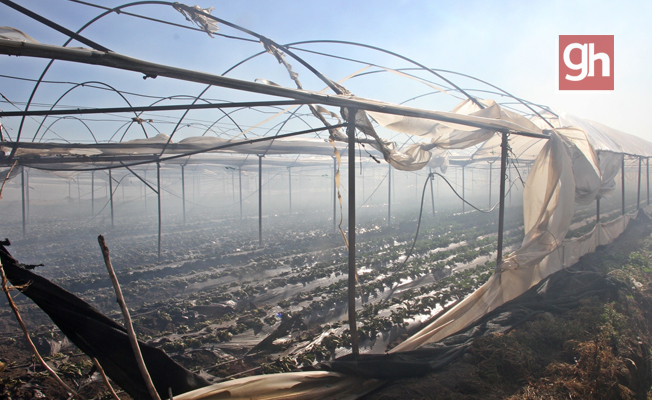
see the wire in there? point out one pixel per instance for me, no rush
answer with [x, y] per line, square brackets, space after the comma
[416, 235]
[464, 200]
[374, 192]
[423, 194]
[120, 11]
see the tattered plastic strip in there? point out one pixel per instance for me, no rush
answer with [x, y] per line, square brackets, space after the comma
[338, 158]
[206, 24]
[293, 107]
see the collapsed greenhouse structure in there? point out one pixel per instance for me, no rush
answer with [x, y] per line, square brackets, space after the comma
[263, 124]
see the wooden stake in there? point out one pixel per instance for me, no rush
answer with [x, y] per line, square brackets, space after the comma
[106, 380]
[4, 182]
[20, 319]
[128, 324]
[29, 340]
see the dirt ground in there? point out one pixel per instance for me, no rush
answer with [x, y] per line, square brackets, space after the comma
[600, 350]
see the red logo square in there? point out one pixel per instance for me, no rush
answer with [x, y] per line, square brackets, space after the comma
[586, 62]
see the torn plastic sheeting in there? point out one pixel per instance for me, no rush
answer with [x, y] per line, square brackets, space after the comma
[586, 166]
[412, 158]
[522, 147]
[290, 385]
[100, 337]
[156, 144]
[449, 135]
[547, 216]
[604, 138]
[9, 33]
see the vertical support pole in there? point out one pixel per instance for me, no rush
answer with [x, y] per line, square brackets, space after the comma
[92, 193]
[22, 186]
[491, 164]
[111, 196]
[509, 175]
[334, 193]
[199, 185]
[183, 191]
[597, 210]
[363, 180]
[638, 192]
[622, 180]
[647, 169]
[290, 187]
[416, 186]
[432, 192]
[350, 131]
[145, 188]
[260, 200]
[389, 194]
[472, 181]
[501, 207]
[240, 188]
[158, 195]
[27, 195]
[463, 189]
[232, 185]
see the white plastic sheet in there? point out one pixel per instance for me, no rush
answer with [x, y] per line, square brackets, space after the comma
[291, 385]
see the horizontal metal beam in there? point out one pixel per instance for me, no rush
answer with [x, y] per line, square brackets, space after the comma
[54, 25]
[153, 70]
[140, 159]
[172, 107]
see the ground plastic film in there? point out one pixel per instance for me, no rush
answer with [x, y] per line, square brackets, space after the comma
[100, 337]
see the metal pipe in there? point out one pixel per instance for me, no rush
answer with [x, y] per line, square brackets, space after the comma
[115, 60]
[463, 190]
[22, 186]
[54, 25]
[183, 191]
[350, 131]
[638, 192]
[240, 189]
[111, 196]
[232, 185]
[145, 197]
[92, 193]
[389, 194]
[290, 187]
[509, 174]
[334, 193]
[140, 109]
[432, 192]
[597, 210]
[260, 200]
[158, 195]
[501, 208]
[416, 185]
[363, 179]
[491, 164]
[27, 195]
[622, 179]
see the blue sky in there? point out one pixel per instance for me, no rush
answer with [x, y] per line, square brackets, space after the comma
[512, 44]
